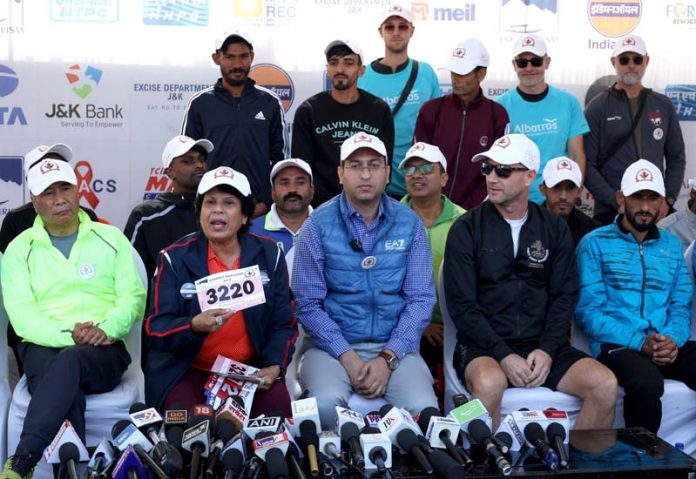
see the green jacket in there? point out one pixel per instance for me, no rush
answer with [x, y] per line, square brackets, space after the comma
[45, 294]
[437, 237]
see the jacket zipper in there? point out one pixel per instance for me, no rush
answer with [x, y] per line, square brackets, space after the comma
[459, 151]
[642, 286]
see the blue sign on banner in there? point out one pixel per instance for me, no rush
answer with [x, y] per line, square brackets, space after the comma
[684, 100]
[191, 13]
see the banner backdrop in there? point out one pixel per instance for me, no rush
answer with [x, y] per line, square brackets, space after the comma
[111, 78]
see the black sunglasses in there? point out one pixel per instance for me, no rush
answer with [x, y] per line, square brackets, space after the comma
[501, 170]
[523, 62]
[401, 27]
[637, 60]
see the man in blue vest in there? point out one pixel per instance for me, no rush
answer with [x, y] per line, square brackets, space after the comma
[363, 280]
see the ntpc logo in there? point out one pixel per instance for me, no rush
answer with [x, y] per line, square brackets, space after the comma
[9, 81]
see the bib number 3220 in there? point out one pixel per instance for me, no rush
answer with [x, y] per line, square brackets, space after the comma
[237, 289]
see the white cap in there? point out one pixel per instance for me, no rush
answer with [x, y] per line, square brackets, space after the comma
[466, 56]
[642, 175]
[692, 183]
[46, 172]
[511, 149]
[561, 169]
[427, 152]
[296, 162]
[219, 40]
[629, 43]
[362, 140]
[181, 144]
[396, 10]
[40, 151]
[531, 44]
[351, 45]
[224, 175]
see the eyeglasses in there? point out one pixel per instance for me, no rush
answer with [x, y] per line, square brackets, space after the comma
[535, 61]
[425, 169]
[501, 170]
[637, 60]
[402, 27]
[356, 167]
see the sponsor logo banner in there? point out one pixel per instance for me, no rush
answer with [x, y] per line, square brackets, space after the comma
[11, 17]
[10, 114]
[614, 18]
[189, 13]
[275, 79]
[87, 11]
[529, 16]
[682, 14]
[684, 100]
[11, 183]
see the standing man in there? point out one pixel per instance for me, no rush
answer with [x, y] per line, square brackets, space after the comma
[463, 123]
[683, 223]
[511, 288]
[364, 287]
[630, 121]
[155, 224]
[550, 117]
[425, 170]
[324, 121]
[404, 83]
[562, 187]
[72, 292]
[244, 121]
[292, 189]
[635, 298]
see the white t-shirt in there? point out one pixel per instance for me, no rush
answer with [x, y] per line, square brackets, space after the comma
[515, 227]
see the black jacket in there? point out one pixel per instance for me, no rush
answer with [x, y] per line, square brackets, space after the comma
[154, 225]
[497, 301]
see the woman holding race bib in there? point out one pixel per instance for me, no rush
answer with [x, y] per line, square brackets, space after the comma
[192, 321]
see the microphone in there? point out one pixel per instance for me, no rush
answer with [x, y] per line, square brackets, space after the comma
[129, 466]
[305, 413]
[377, 447]
[262, 424]
[372, 419]
[408, 441]
[126, 435]
[232, 461]
[293, 458]
[441, 461]
[395, 423]
[165, 455]
[509, 429]
[272, 449]
[225, 430]
[69, 455]
[233, 410]
[66, 435]
[467, 412]
[534, 433]
[442, 432]
[480, 433]
[197, 437]
[503, 440]
[356, 245]
[101, 460]
[557, 435]
[350, 434]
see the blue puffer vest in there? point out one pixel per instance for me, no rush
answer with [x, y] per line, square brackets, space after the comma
[365, 302]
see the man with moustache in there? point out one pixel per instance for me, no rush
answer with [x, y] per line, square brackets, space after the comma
[629, 121]
[324, 121]
[244, 121]
[404, 83]
[562, 187]
[292, 191]
[363, 279]
[635, 298]
[155, 224]
[511, 286]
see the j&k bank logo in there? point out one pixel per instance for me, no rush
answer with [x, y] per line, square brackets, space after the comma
[614, 18]
[276, 80]
[83, 83]
[90, 187]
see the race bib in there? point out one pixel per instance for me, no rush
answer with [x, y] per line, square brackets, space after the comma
[237, 289]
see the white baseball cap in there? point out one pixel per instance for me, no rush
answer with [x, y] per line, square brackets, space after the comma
[181, 144]
[224, 175]
[427, 152]
[396, 10]
[692, 183]
[466, 56]
[629, 43]
[46, 172]
[349, 44]
[220, 39]
[642, 175]
[362, 140]
[296, 162]
[512, 149]
[531, 44]
[41, 151]
[561, 169]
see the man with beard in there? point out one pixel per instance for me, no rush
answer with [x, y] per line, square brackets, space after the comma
[157, 223]
[628, 121]
[404, 83]
[562, 187]
[635, 298]
[292, 190]
[324, 121]
[244, 121]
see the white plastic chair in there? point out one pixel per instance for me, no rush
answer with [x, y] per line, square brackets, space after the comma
[102, 410]
[5, 393]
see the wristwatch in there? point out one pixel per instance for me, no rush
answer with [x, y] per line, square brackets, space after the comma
[391, 359]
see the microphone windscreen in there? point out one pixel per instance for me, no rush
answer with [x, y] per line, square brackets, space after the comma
[276, 464]
[555, 429]
[349, 430]
[533, 432]
[425, 415]
[69, 451]
[384, 410]
[406, 439]
[478, 430]
[136, 407]
[119, 426]
[225, 430]
[308, 434]
[232, 460]
[174, 435]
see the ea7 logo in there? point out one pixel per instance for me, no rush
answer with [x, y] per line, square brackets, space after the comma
[395, 245]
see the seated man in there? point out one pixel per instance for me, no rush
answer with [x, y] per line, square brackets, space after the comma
[682, 224]
[511, 287]
[363, 279]
[561, 185]
[425, 172]
[292, 190]
[72, 292]
[635, 298]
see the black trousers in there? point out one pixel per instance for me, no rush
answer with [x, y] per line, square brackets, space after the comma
[58, 380]
[643, 380]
